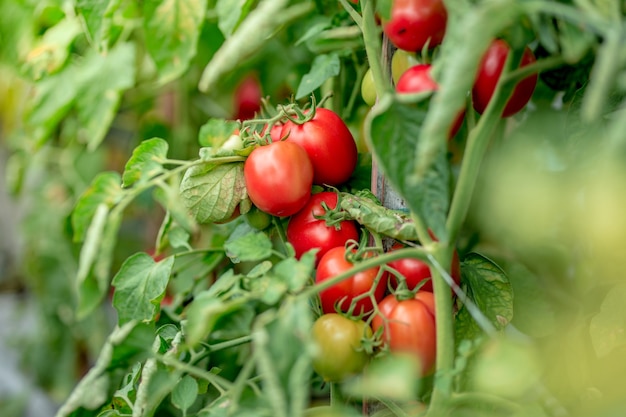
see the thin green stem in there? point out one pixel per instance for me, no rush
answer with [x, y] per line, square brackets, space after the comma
[371, 38]
[221, 384]
[481, 399]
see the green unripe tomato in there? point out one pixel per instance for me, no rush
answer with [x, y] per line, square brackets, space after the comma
[339, 352]
[258, 219]
[368, 91]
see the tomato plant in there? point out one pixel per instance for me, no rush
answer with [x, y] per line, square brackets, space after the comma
[340, 353]
[305, 231]
[408, 326]
[362, 286]
[329, 144]
[417, 79]
[278, 178]
[416, 23]
[491, 66]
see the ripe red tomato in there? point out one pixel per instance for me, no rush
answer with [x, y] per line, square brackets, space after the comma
[332, 264]
[413, 23]
[278, 178]
[339, 352]
[416, 271]
[247, 98]
[329, 143]
[305, 232]
[489, 72]
[409, 327]
[417, 79]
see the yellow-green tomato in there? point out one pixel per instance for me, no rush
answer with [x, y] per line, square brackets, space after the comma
[400, 62]
[339, 353]
[368, 91]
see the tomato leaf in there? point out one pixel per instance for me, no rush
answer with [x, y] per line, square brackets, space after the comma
[216, 132]
[608, 327]
[97, 16]
[104, 189]
[145, 163]
[172, 29]
[204, 313]
[296, 273]
[212, 193]
[140, 286]
[248, 244]
[102, 84]
[230, 13]
[126, 345]
[169, 198]
[489, 289]
[323, 68]
[393, 130]
[185, 393]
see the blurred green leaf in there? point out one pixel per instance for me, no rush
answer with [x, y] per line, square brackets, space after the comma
[185, 393]
[230, 13]
[97, 16]
[323, 68]
[248, 245]
[145, 162]
[296, 273]
[104, 189]
[172, 30]
[204, 312]
[490, 290]
[608, 327]
[216, 132]
[139, 287]
[213, 193]
[391, 376]
[125, 345]
[394, 130]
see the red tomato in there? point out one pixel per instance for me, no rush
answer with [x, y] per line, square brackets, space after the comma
[334, 263]
[409, 327]
[247, 98]
[278, 178]
[415, 271]
[413, 23]
[274, 131]
[489, 72]
[305, 232]
[417, 79]
[329, 143]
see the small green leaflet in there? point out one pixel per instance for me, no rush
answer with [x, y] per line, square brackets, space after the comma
[608, 327]
[172, 29]
[213, 193]
[230, 13]
[185, 393]
[488, 287]
[98, 16]
[139, 287]
[394, 132]
[216, 132]
[104, 189]
[248, 244]
[323, 68]
[144, 163]
[205, 311]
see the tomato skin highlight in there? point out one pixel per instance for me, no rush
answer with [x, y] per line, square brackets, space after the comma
[417, 79]
[339, 352]
[416, 271]
[414, 23]
[278, 178]
[334, 263]
[329, 144]
[489, 71]
[409, 327]
[305, 232]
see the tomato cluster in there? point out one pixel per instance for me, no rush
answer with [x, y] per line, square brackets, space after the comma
[319, 150]
[415, 26]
